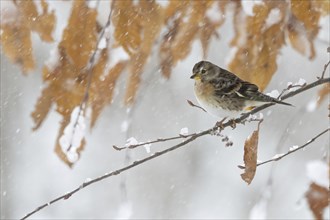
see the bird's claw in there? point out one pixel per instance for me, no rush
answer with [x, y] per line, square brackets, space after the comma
[219, 124]
[232, 123]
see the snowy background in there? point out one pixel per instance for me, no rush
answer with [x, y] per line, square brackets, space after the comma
[200, 180]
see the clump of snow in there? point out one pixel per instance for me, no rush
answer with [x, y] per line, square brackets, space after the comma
[87, 180]
[294, 147]
[276, 156]
[318, 172]
[102, 44]
[261, 116]
[274, 17]
[273, 94]
[252, 117]
[73, 135]
[184, 131]
[301, 82]
[131, 141]
[249, 5]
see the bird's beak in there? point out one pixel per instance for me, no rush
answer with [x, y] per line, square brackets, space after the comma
[195, 76]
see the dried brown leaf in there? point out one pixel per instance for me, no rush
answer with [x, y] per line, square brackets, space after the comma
[209, 29]
[165, 51]
[17, 45]
[127, 22]
[250, 156]
[42, 107]
[43, 24]
[102, 90]
[323, 93]
[79, 37]
[16, 33]
[318, 199]
[151, 20]
[135, 71]
[188, 30]
[178, 8]
[309, 15]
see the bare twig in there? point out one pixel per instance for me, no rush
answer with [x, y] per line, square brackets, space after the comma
[194, 105]
[83, 104]
[179, 145]
[325, 69]
[280, 156]
[290, 87]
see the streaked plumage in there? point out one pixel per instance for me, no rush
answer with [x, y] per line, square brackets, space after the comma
[223, 94]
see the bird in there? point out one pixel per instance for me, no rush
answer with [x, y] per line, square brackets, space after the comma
[223, 94]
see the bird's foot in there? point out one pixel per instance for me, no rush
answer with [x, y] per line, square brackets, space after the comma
[219, 124]
[232, 123]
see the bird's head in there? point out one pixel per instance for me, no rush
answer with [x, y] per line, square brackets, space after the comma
[204, 71]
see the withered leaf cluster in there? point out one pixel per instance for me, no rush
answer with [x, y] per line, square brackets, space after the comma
[140, 28]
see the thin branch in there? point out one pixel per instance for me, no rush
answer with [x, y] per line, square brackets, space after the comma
[290, 87]
[325, 69]
[183, 143]
[90, 66]
[194, 105]
[152, 142]
[280, 156]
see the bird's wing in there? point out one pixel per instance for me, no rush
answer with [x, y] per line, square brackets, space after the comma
[230, 85]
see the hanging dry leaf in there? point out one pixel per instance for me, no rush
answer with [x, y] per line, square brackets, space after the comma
[17, 45]
[79, 37]
[250, 156]
[305, 27]
[16, 33]
[42, 107]
[67, 80]
[323, 93]
[127, 20]
[318, 199]
[102, 89]
[151, 20]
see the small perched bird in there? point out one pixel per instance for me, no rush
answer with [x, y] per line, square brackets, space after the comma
[223, 94]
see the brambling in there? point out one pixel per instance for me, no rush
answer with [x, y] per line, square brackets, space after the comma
[223, 94]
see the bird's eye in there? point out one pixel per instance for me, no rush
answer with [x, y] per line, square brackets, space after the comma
[203, 71]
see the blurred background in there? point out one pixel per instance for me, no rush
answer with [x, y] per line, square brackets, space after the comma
[198, 181]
